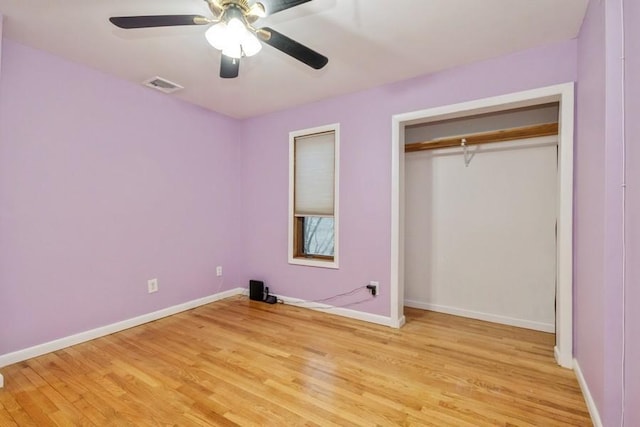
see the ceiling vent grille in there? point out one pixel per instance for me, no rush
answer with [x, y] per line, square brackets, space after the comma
[163, 85]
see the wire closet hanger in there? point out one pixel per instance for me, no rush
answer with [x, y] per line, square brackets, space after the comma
[468, 156]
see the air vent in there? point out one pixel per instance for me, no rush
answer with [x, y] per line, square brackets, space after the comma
[163, 85]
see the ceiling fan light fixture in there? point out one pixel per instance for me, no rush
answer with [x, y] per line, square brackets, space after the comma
[216, 35]
[250, 44]
[233, 51]
[235, 29]
[233, 38]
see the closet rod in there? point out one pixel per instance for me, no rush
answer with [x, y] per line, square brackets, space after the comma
[503, 135]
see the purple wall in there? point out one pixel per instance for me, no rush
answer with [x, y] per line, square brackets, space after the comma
[600, 294]
[613, 208]
[103, 185]
[632, 89]
[589, 202]
[365, 174]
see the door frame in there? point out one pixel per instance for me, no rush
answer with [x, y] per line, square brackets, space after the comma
[564, 95]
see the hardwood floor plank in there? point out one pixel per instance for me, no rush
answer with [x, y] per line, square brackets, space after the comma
[241, 362]
[11, 408]
[6, 420]
[56, 377]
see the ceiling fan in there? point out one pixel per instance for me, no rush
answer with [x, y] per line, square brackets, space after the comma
[231, 31]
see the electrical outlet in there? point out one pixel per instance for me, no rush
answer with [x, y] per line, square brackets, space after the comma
[219, 271]
[374, 288]
[152, 285]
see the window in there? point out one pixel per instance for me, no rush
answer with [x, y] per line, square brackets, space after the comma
[313, 196]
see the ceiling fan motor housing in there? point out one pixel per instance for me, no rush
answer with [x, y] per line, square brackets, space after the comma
[243, 5]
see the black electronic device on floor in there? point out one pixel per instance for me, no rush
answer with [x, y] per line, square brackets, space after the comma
[256, 290]
[259, 292]
[269, 299]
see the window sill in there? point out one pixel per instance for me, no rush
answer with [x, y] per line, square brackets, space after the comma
[311, 262]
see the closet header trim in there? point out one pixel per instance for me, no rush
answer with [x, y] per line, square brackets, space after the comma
[545, 129]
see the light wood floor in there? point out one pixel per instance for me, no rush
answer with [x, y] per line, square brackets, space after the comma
[238, 362]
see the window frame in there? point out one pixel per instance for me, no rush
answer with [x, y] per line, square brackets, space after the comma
[295, 224]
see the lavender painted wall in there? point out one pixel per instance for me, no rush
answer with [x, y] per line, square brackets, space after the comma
[589, 202]
[103, 185]
[613, 208]
[632, 89]
[1, 21]
[365, 173]
[599, 209]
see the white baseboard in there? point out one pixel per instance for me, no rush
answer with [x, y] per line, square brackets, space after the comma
[341, 311]
[562, 360]
[588, 398]
[28, 353]
[400, 322]
[505, 320]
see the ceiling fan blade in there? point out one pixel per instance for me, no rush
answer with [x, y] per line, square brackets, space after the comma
[294, 49]
[275, 6]
[129, 22]
[229, 67]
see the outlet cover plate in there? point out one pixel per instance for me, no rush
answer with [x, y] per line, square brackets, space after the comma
[152, 285]
[376, 285]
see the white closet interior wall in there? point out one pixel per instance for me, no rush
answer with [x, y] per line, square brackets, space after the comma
[480, 240]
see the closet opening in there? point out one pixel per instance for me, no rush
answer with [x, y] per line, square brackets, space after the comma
[480, 216]
[482, 212]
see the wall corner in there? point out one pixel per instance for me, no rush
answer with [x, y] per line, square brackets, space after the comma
[1, 17]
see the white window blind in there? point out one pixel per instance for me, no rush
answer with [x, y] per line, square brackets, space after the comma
[314, 174]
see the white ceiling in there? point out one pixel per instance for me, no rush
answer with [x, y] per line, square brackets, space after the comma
[368, 43]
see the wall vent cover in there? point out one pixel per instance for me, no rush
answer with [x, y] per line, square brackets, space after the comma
[163, 85]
